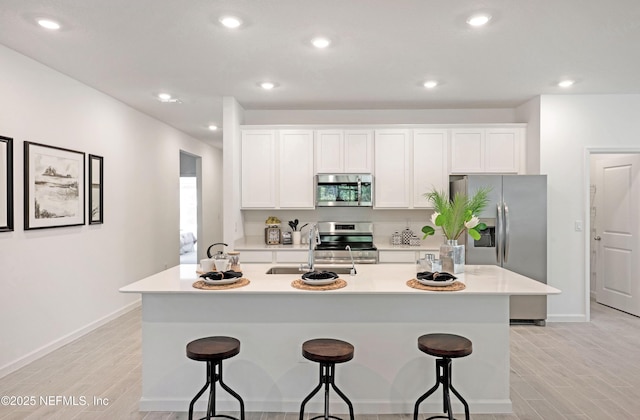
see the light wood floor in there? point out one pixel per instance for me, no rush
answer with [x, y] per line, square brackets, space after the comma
[562, 371]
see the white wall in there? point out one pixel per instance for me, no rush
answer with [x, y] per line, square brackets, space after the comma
[570, 125]
[529, 113]
[58, 283]
[380, 116]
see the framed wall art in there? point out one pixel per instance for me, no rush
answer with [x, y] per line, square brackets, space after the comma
[53, 187]
[6, 184]
[96, 192]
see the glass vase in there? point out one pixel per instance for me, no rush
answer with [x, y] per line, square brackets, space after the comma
[452, 256]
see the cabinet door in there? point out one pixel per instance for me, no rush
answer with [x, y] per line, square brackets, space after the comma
[467, 150]
[358, 151]
[296, 169]
[258, 161]
[429, 165]
[392, 168]
[502, 150]
[329, 151]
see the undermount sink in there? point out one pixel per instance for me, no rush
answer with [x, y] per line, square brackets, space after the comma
[296, 270]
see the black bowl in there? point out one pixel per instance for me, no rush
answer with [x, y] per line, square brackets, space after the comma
[427, 275]
[319, 275]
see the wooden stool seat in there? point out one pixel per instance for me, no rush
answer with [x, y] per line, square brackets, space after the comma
[445, 345]
[213, 348]
[327, 350]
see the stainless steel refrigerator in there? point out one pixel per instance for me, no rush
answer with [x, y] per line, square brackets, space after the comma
[516, 236]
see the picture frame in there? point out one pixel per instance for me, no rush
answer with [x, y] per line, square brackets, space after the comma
[6, 184]
[96, 190]
[54, 186]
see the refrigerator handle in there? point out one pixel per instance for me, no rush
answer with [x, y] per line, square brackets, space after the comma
[498, 233]
[506, 232]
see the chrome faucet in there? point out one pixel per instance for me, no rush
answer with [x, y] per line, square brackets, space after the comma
[314, 239]
[353, 271]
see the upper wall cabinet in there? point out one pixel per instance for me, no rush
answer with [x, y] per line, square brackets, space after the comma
[430, 169]
[258, 168]
[408, 164]
[344, 151]
[277, 169]
[392, 162]
[487, 150]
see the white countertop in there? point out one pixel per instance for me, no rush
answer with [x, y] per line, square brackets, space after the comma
[371, 279]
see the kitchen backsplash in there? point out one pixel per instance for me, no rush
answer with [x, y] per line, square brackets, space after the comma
[385, 222]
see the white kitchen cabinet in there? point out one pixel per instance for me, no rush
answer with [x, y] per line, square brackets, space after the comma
[487, 150]
[277, 169]
[258, 168]
[344, 151]
[430, 164]
[392, 148]
[295, 169]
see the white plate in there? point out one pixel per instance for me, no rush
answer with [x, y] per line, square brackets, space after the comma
[436, 283]
[223, 281]
[320, 282]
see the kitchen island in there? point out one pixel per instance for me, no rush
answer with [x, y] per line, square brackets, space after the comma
[376, 312]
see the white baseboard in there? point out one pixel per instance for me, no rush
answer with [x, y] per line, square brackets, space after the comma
[56, 344]
[567, 318]
[336, 406]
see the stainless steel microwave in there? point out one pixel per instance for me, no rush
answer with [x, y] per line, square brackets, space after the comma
[344, 190]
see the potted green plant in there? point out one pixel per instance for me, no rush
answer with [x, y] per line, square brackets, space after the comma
[454, 217]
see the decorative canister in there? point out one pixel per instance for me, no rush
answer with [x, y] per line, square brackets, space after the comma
[396, 238]
[406, 236]
[414, 241]
[234, 259]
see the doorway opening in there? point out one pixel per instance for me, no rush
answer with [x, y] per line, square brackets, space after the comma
[613, 232]
[189, 207]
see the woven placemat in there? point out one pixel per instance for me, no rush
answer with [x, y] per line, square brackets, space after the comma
[200, 284]
[338, 284]
[453, 287]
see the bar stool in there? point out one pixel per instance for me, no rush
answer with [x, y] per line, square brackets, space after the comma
[327, 352]
[445, 347]
[214, 350]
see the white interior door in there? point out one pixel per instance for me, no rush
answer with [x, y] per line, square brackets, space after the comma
[617, 232]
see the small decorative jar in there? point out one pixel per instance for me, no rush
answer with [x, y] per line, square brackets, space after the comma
[406, 236]
[414, 241]
[234, 259]
[396, 238]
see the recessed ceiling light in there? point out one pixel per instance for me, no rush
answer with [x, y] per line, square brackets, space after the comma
[479, 20]
[167, 98]
[566, 83]
[231, 22]
[267, 85]
[321, 42]
[430, 84]
[49, 24]
[213, 127]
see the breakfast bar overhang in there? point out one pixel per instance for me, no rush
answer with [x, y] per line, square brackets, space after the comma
[377, 312]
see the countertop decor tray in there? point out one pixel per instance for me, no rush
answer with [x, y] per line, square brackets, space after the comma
[454, 287]
[337, 284]
[200, 284]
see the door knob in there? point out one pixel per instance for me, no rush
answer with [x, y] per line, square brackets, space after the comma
[596, 238]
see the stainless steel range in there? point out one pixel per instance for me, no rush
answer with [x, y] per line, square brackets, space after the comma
[334, 238]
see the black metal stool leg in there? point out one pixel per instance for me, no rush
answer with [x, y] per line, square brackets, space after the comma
[214, 374]
[443, 376]
[340, 393]
[327, 378]
[314, 392]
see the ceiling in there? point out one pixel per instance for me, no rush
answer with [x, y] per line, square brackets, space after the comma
[382, 51]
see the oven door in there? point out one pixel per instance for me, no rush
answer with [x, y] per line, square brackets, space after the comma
[343, 190]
